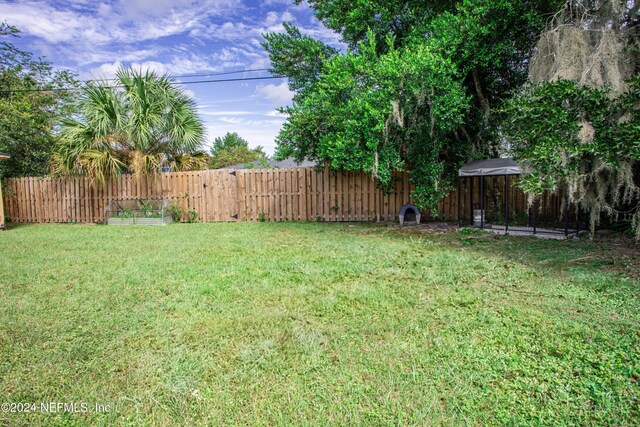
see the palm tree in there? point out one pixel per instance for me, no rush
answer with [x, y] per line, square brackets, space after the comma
[141, 124]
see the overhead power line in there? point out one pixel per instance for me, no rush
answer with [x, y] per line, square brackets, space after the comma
[253, 70]
[230, 80]
[62, 89]
[186, 76]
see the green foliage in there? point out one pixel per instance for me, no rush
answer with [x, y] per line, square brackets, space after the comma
[416, 89]
[145, 207]
[141, 124]
[299, 58]
[192, 215]
[229, 140]
[176, 212]
[624, 227]
[404, 101]
[231, 149]
[262, 217]
[398, 18]
[150, 211]
[126, 213]
[31, 105]
[579, 138]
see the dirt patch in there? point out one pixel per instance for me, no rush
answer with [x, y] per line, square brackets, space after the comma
[426, 228]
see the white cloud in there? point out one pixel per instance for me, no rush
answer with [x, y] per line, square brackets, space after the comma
[96, 56]
[125, 21]
[324, 34]
[277, 2]
[179, 61]
[245, 122]
[275, 113]
[275, 19]
[136, 9]
[176, 65]
[229, 31]
[303, 5]
[191, 94]
[226, 113]
[278, 94]
[263, 62]
[52, 25]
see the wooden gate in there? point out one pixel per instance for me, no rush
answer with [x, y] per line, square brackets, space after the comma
[220, 189]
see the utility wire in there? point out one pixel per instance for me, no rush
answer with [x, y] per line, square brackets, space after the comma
[222, 74]
[242, 79]
[61, 89]
[186, 76]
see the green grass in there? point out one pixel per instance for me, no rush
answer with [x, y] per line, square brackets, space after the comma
[274, 324]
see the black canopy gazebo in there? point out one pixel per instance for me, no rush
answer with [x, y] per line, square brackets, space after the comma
[500, 174]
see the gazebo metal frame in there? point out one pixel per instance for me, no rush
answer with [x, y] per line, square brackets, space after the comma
[505, 167]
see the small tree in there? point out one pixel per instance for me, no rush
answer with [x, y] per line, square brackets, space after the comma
[232, 149]
[141, 124]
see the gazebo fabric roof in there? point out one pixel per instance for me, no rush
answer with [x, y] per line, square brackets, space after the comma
[488, 167]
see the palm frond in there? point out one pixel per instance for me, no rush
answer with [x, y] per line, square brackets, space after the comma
[100, 165]
[143, 123]
[189, 162]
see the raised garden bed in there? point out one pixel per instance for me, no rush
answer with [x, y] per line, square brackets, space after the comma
[138, 212]
[139, 221]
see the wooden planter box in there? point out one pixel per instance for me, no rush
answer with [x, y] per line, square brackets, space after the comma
[140, 221]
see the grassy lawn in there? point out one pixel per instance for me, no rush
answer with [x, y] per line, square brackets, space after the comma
[268, 323]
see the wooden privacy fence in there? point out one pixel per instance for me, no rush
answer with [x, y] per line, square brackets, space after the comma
[296, 194]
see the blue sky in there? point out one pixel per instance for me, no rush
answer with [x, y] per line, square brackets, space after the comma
[182, 37]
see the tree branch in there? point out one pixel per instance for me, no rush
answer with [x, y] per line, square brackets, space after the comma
[483, 100]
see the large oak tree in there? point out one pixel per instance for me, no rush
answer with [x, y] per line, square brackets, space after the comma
[416, 88]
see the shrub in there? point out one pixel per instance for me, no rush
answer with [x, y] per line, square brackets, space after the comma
[176, 212]
[192, 215]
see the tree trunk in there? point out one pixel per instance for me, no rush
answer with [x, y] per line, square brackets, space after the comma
[484, 103]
